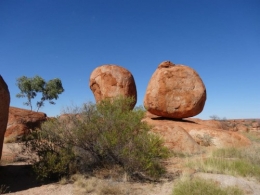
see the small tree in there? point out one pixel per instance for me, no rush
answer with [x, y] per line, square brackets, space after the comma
[29, 87]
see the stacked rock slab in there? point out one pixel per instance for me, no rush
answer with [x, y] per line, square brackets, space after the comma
[110, 81]
[4, 108]
[175, 91]
[22, 121]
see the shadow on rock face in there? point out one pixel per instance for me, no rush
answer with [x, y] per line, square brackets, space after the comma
[172, 119]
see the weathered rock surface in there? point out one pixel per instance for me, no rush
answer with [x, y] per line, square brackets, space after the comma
[177, 139]
[175, 91]
[190, 135]
[109, 81]
[242, 128]
[4, 108]
[22, 121]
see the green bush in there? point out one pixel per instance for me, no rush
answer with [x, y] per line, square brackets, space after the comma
[107, 133]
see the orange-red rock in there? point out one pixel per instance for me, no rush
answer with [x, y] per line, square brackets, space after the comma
[196, 131]
[175, 91]
[242, 128]
[176, 138]
[256, 125]
[22, 121]
[4, 107]
[109, 81]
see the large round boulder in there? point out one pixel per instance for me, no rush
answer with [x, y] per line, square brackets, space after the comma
[175, 91]
[4, 109]
[110, 81]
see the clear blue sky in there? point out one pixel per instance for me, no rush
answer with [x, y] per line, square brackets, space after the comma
[68, 39]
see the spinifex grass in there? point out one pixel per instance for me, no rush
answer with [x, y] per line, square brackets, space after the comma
[200, 186]
[244, 162]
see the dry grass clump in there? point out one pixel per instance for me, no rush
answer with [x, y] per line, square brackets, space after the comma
[253, 136]
[3, 189]
[93, 185]
[204, 140]
[12, 139]
[84, 185]
[234, 161]
[199, 186]
[112, 189]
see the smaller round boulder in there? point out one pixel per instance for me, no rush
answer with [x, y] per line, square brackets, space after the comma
[110, 81]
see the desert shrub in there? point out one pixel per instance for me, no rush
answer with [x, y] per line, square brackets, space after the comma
[223, 122]
[199, 186]
[205, 140]
[97, 135]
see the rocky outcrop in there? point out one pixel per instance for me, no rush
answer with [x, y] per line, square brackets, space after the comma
[191, 135]
[4, 107]
[175, 91]
[176, 138]
[22, 121]
[109, 81]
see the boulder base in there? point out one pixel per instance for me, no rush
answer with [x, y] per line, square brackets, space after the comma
[191, 135]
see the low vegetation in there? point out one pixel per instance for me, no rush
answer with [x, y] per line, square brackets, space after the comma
[199, 186]
[96, 136]
[99, 147]
[204, 140]
[253, 136]
[234, 161]
[3, 189]
[94, 185]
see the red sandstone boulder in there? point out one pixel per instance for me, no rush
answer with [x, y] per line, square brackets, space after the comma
[186, 135]
[176, 138]
[22, 121]
[4, 108]
[109, 81]
[175, 91]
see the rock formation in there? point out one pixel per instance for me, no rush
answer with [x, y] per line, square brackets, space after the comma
[109, 81]
[176, 138]
[22, 121]
[175, 91]
[4, 107]
[191, 135]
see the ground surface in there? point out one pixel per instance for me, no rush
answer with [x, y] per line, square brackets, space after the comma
[17, 175]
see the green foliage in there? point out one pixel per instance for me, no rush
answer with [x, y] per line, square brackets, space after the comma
[29, 87]
[253, 136]
[108, 133]
[200, 186]
[227, 153]
[234, 161]
[54, 165]
[234, 167]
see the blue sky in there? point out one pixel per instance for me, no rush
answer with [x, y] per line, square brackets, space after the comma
[68, 39]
